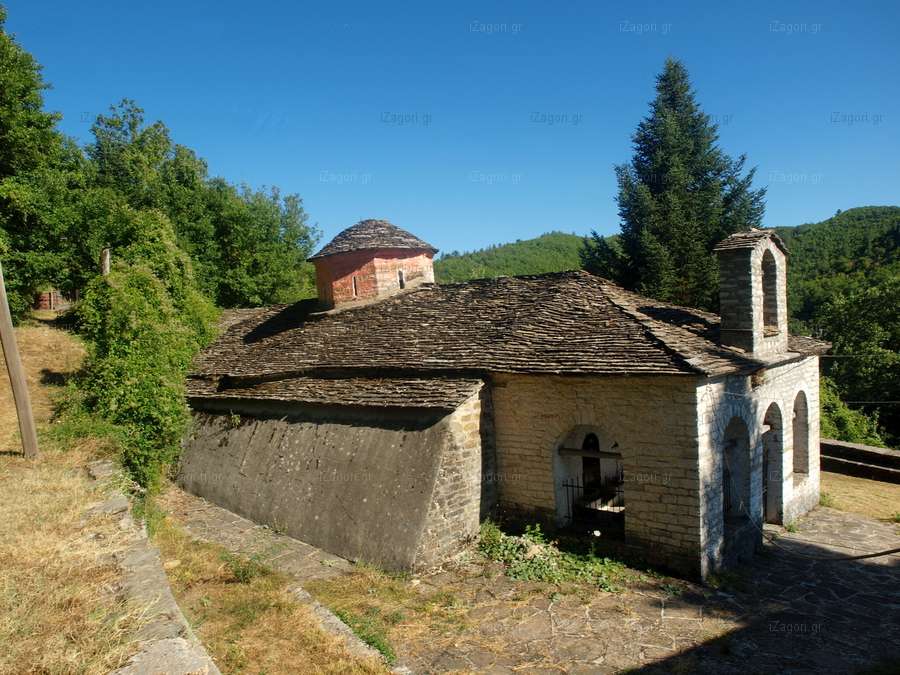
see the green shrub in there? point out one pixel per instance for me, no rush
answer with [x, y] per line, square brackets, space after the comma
[842, 423]
[144, 323]
[532, 557]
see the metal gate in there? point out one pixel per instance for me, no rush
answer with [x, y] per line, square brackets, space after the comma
[601, 506]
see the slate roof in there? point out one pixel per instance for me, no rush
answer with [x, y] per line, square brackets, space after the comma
[372, 234]
[437, 392]
[749, 239]
[569, 323]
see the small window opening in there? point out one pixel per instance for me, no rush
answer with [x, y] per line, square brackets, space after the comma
[355, 288]
[770, 294]
[401, 279]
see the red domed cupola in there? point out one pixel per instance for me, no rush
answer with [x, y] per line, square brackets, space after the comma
[370, 260]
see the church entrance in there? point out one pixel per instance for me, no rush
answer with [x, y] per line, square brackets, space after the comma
[591, 487]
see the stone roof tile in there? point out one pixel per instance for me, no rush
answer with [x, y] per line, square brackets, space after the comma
[432, 392]
[749, 239]
[372, 234]
[564, 323]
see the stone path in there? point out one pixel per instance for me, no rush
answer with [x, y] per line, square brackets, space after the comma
[787, 612]
[208, 522]
[166, 642]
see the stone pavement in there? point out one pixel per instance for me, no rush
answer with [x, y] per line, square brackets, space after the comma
[788, 612]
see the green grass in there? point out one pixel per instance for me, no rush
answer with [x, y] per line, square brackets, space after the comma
[370, 628]
[244, 569]
[826, 499]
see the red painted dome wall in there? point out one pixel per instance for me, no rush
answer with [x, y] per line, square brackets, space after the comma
[357, 276]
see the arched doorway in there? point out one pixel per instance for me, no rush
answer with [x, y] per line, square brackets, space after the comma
[589, 476]
[740, 525]
[773, 465]
[801, 437]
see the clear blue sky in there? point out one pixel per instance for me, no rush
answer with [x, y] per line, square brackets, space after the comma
[437, 116]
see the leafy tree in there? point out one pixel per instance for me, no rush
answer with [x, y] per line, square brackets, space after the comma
[678, 197]
[144, 322]
[32, 174]
[249, 246]
[864, 327]
[842, 423]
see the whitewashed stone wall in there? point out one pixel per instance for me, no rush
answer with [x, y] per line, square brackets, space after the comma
[749, 398]
[654, 422]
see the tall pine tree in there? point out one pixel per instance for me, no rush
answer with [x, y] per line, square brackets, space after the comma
[677, 198]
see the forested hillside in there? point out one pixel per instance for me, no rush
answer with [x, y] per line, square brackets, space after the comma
[551, 252]
[844, 281]
[853, 248]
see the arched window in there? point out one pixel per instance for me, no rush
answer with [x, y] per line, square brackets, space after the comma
[772, 465]
[801, 436]
[736, 471]
[770, 293]
[355, 288]
[400, 279]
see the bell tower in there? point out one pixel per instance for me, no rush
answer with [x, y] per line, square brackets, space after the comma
[753, 292]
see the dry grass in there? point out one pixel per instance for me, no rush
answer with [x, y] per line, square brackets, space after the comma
[386, 610]
[872, 498]
[245, 614]
[59, 610]
[49, 356]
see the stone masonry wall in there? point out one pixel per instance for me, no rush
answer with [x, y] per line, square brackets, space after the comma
[454, 512]
[741, 299]
[749, 398]
[654, 422]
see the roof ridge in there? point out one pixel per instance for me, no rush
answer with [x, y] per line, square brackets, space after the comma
[654, 326]
[646, 323]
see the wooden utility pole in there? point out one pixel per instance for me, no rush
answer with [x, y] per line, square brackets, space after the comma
[16, 375]
[105, 261]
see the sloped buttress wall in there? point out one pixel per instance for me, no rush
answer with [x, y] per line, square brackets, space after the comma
[401, 490]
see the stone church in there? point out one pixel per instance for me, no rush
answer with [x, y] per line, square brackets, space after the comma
[385, 419]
